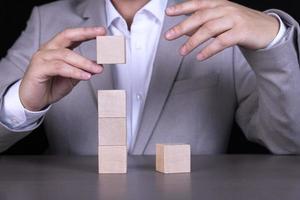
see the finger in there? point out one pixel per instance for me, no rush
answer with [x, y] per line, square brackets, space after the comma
[194, 22]
[207, 31]
[60, 68]
[189, 7]
[73, 59]
[73, 36]
[220, 43]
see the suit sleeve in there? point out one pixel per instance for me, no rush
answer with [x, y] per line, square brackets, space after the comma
[267, 84]
[12, 68]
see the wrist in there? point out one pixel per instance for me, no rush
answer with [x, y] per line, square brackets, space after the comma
[28, 101]
[274, 29]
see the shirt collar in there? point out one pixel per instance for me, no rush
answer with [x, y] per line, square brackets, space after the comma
[153, 7]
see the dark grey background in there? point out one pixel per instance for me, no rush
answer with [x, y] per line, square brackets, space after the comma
[13, 17]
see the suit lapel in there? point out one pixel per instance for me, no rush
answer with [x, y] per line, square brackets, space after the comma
[94, 14]
[165, 69]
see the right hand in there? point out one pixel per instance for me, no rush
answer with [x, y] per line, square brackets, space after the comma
[55, 69]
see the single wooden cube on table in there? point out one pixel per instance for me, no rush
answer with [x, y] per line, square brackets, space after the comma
[173, 158]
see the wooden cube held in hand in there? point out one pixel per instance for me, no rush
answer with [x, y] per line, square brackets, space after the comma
[173, 158]
[111, 50]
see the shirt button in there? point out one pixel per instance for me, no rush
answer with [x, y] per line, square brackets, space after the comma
[139, 97]
[14, 120]
[138, 46]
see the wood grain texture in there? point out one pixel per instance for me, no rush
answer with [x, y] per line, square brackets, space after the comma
[173, 158]
[111, 50]
[112, 159]
[112, 103]
[112, 131]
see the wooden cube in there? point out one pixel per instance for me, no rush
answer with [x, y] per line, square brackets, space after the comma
[112, 159]
[112, 131]
[111, 50]
[173, 158]
[112, 103]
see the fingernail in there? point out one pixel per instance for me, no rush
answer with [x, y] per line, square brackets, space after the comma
[183, 51]
[200, 57]
[170, 10]
[98, 69]
[170, 34]
[86, 76]
[100, 29]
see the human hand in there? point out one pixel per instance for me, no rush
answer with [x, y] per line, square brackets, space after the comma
[225, 22]
[55, 69]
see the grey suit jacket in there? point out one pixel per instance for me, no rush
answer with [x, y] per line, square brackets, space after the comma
[188, 101]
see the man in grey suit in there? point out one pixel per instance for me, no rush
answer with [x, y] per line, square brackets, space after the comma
[233, 63]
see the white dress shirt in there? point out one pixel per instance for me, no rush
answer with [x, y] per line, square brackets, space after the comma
[141, 45]
[134, 76]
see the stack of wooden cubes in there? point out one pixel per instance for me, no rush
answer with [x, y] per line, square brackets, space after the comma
[112, 151]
